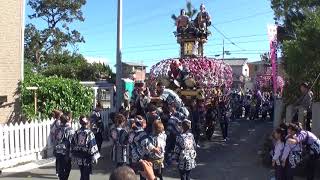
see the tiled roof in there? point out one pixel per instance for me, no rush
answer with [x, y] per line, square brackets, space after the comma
[279, 60]
[236, 61]
[134, 64]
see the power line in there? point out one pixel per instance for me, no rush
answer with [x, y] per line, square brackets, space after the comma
[175, 44]
[136, 21]
[226, 37]
[243, 18]
[135, 18]
[145, 20]
[171, 49]
[232, 51]
[167, 49]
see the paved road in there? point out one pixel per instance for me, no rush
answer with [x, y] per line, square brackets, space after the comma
[236, 159]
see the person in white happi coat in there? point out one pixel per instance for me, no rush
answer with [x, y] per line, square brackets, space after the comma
[159, 138]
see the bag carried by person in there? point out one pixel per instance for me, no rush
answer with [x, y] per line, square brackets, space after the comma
[63, 144]
[295, 158]
[81, 148]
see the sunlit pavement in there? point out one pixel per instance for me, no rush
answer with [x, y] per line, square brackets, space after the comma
[236, 159]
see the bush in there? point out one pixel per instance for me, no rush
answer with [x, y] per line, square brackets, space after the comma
[55, 93]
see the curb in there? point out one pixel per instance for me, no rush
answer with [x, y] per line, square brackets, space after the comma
[29, 166]
[37, 164]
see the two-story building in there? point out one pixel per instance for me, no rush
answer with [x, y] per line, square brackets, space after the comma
[135, 71]
[258, 67]
[11, 58]
[240, 70]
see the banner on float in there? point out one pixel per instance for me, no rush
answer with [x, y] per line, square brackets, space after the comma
[272, 34]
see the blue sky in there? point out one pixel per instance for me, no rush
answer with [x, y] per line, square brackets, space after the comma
[147, 29]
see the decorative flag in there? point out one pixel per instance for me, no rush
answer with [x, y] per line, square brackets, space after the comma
[272, 34]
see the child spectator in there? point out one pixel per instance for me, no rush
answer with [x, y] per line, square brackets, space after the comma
[152, 115]
[84, 149]
[292, 153]
[279, 137]
[140, 143]
[64, 135]
[159, 140]
[185, 151]
[119, 138]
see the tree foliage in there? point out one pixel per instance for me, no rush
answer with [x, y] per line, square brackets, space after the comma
[55, 93]
[299, 35]
[290, 12]
[71, 66]
[57, 16]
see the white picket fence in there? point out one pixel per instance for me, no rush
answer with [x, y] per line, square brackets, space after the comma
[24, 142]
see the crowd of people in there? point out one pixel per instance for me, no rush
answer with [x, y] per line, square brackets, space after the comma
[153, 126]
[80, 147]
[292, 147]
[295, 146]
[156, 125]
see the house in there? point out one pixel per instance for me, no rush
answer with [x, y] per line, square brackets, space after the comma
[258, 67]
[103, 93]
[132, 70]
[240, 70]
[11, 58]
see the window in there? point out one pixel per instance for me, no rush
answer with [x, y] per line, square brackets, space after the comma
[255, 68]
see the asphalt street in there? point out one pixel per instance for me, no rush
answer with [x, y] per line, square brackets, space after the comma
[236, 159]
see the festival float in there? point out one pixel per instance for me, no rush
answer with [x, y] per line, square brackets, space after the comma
[193, 75]
[264, 81]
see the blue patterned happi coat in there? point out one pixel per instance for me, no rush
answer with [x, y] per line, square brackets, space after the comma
[185, 151]
[84, 148]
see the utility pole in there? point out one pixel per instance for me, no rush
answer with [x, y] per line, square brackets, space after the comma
[223, 50]
[119, 57]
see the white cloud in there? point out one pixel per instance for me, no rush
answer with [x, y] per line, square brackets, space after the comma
[97, 60]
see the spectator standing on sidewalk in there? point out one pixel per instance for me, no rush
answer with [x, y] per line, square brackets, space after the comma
[64, 135]
[305, 101]
[84, 149]
[292, 154]
[312, 148]
[279, 137]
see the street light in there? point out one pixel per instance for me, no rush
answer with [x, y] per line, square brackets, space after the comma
[224, 53]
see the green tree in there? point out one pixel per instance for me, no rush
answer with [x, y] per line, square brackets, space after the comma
[190, 12]
[56, 35]
[290, 12]
[74, 66]
[302, 55]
